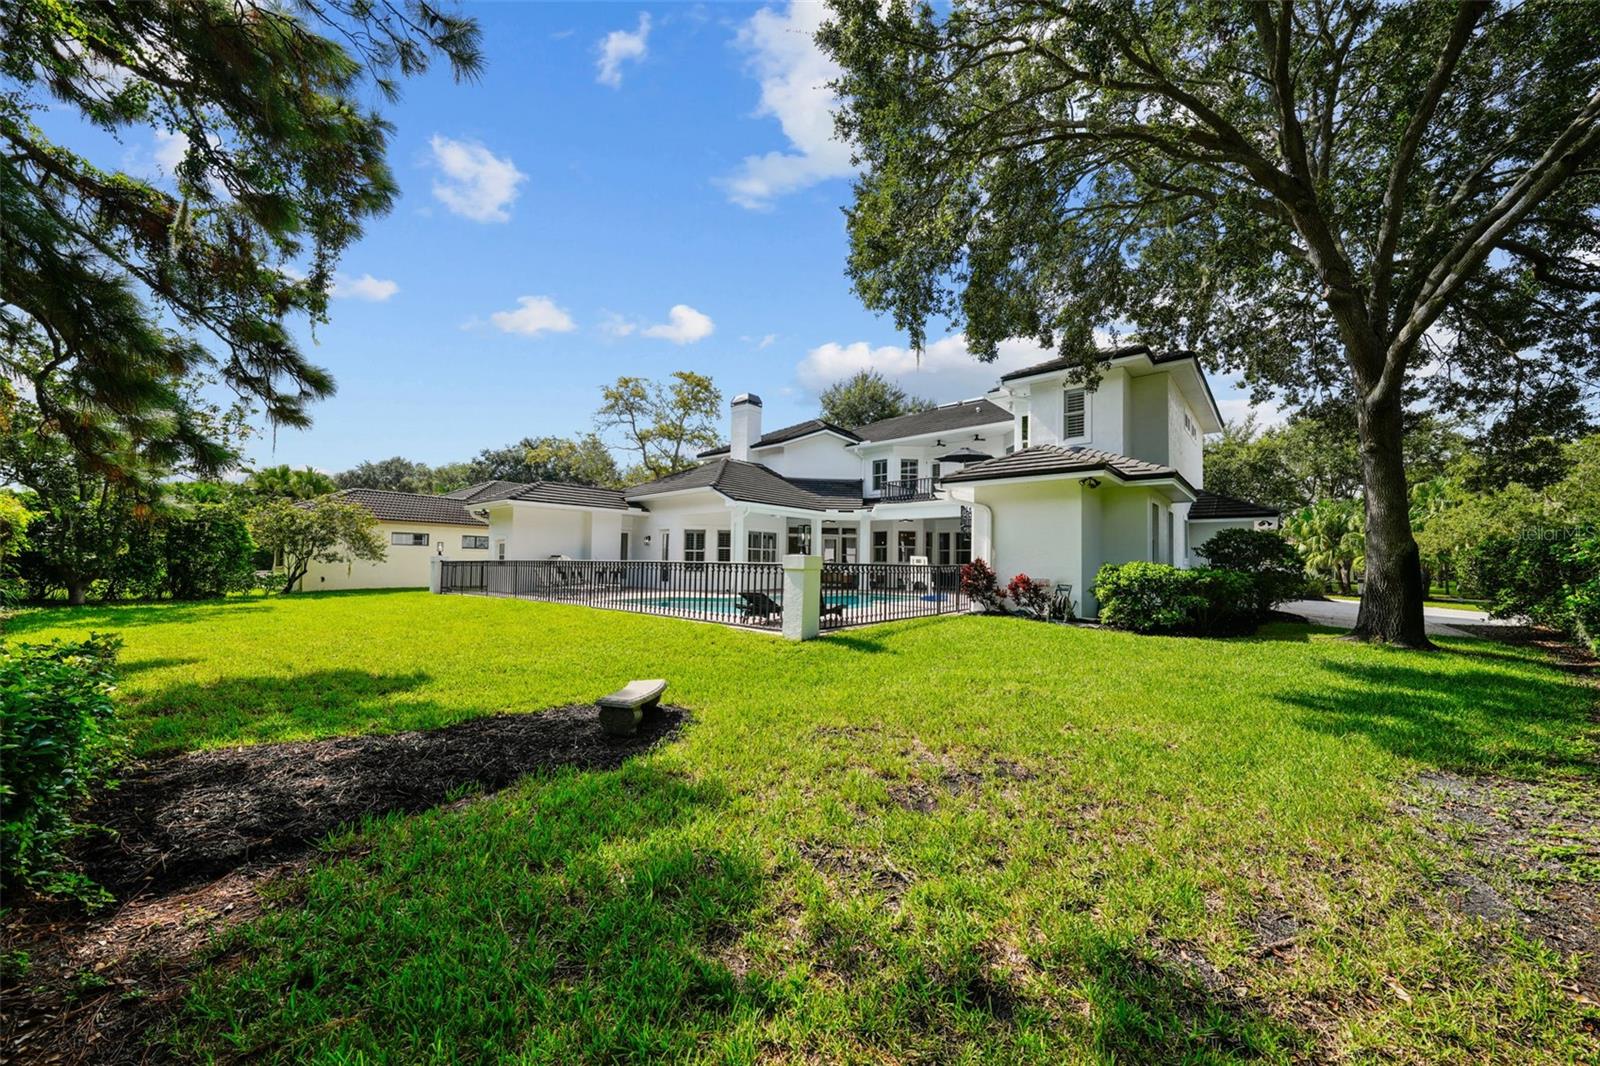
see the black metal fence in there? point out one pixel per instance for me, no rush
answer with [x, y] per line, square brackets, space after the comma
[748, 594]
[745, 594]
[860, 594]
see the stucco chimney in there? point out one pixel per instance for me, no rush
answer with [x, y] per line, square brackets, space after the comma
[746, 425]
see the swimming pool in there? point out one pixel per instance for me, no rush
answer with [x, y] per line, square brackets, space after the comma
[733, 605]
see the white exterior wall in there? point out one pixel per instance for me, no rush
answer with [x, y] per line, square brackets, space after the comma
[403, 566]
[1183, 439]
[1147, 429]
[821, 456]
[1036, 528]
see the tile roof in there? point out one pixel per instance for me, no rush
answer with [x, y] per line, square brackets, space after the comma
[389, 506]
[485, 491]
[947, 419]
[1059, 459]
[568, 494]
[1216, 505]
[788, 433]
[755, 483]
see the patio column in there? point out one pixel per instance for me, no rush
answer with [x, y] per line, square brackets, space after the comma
[741, 543]
[802, 596]
[863, 548]
[816, 535]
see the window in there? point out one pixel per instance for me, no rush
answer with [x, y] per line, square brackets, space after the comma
[1170, 548]
[880, 545]
[470, 541]
[763, 547]
[500, 550]
[409, 540]
[1024, 431]
[880, 474]
[724, 545]
[694, 545]
[933, 471]
[1074, 414]
[1189, 426]
[1155, 533]
[799, 538]
[908, 471]
[906, 543]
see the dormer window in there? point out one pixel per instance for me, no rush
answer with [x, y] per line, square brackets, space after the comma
[1074, 414]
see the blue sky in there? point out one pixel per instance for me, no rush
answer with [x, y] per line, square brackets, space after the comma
[627, 190]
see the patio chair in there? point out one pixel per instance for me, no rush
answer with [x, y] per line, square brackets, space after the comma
[832, 614]
[755, 606]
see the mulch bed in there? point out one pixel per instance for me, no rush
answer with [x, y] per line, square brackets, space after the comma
[189, 842]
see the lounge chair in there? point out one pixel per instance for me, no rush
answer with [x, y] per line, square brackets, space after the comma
[758, 605]
[832, 614]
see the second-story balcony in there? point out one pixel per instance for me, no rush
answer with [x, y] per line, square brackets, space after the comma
[904, 490]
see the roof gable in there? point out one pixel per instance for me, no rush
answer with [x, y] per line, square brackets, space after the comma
[785, 434]
[755, 483]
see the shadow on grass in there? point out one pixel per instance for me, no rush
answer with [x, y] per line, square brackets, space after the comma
[1472, 720]
[866, 638]
[127, 668]
[115, 616]
[1146, 1008]
[579, 917]
[246, 710]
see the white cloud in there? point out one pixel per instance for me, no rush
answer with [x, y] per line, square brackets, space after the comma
[477, 184]
[534, 315]
[169, 150]
[684, 325]
[619, 47]
[946, 371]
[794, 75]
[1238, 408]
[366, 287]
[766, 342]
[614, 325]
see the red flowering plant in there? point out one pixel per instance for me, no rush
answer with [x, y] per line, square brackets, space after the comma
[979, 584]
[1031, 595]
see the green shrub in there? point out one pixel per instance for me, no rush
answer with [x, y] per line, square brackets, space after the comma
[1273, 564]
[208, 552]
[1157, 598]
[59, 738]
[1549, 574]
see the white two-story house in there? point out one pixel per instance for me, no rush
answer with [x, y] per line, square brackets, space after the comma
[1040, 476]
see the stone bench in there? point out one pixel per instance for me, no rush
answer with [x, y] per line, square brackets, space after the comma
[622, 710]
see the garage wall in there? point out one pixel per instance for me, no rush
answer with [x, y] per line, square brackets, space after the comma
[403, 566]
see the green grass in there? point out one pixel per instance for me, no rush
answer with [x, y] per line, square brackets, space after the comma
[969, 840]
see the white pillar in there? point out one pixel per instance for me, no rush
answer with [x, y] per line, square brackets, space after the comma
[435, 574]
[802, 596]
[863, 548]
[741, 543]
[816, 535]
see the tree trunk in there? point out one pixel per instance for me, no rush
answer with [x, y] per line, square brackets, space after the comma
[1391, 595]
[77, 592]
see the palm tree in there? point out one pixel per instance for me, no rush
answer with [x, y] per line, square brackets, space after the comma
[272, 482]
[1331, 537]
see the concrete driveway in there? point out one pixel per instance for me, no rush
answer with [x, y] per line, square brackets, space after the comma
[1437, 620]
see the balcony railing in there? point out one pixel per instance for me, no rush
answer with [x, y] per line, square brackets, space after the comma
[917, 488]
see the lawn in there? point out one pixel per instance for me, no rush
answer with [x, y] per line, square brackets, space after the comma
[971, 839]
